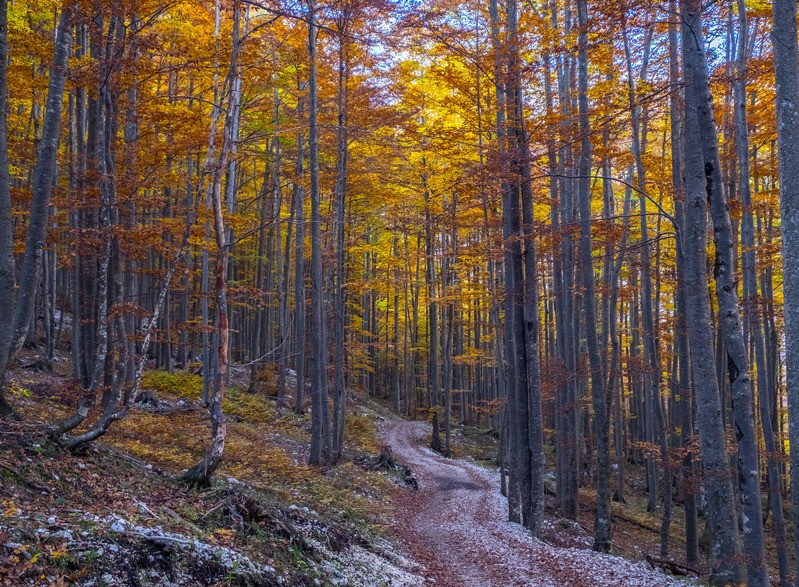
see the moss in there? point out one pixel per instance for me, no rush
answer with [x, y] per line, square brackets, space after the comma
[180, 383]
[361, 432]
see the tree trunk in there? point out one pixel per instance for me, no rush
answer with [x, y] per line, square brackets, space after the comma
[339, 306]
[299, 264]
[786, 70]
[44, 176]
[681, 338]
[200, 474]
[602, 518]
[320, 416]
[729, 318]
[7, 277]
[722, 523]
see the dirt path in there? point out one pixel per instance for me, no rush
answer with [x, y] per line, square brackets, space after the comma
[455, 526]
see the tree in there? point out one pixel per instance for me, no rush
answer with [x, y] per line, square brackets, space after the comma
[725, 547]
[7, 265]
[44, 176]
[320, 429]
[786, 71]
[214, 166]
[22, 300]
[602, 423]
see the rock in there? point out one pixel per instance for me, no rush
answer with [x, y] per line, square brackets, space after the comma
[550, 485]
[51, 520]
[118, 526]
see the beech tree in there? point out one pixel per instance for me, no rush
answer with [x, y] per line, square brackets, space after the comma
[786, 69]
[698, 130]
[7, 265]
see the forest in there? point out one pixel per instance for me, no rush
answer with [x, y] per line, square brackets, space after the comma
[569, 225]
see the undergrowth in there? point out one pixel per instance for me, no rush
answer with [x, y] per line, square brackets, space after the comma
[265, 448]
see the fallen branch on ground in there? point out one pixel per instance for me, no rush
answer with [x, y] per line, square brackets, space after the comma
[671, 566]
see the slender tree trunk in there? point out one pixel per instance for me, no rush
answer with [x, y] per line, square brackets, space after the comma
[722, 523]
[681, 339]
[568, 447]
[299, 264]
[7, 277]
[200, 474]
[320, 416]
[528, 459]
[602, 518]
[786, 69]
[44, 176]
[432, 320]
[339, 307]
[751, 294]
[729, 319]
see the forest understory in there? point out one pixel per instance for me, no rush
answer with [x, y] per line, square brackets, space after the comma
[119, 514]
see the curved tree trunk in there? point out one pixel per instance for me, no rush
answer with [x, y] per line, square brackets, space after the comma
[200, 474]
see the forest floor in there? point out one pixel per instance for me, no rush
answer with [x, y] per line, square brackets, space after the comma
[456, 526]
[118, 514]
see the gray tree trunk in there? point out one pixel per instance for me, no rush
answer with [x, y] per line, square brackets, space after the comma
[722, 522]
[568, 447]
[681, 338]
[602, 519]
[339, 306]
[200, 474]
[44, 176]
[7, 277]
[751, 294]
[729, 316]
[320, 417]
[786, 70]
[299, 264]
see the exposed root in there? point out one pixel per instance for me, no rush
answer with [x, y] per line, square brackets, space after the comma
[386, 462]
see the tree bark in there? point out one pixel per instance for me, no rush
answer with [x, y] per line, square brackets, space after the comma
[602, 519]
[722, 523]
[320, 417]
[729, 316]
[200, 474]
[44, 176]
[7, 264]
[339, 307]
[299, 264]
[786, 70]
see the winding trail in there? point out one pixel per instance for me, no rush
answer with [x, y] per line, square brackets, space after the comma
[456, 527]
